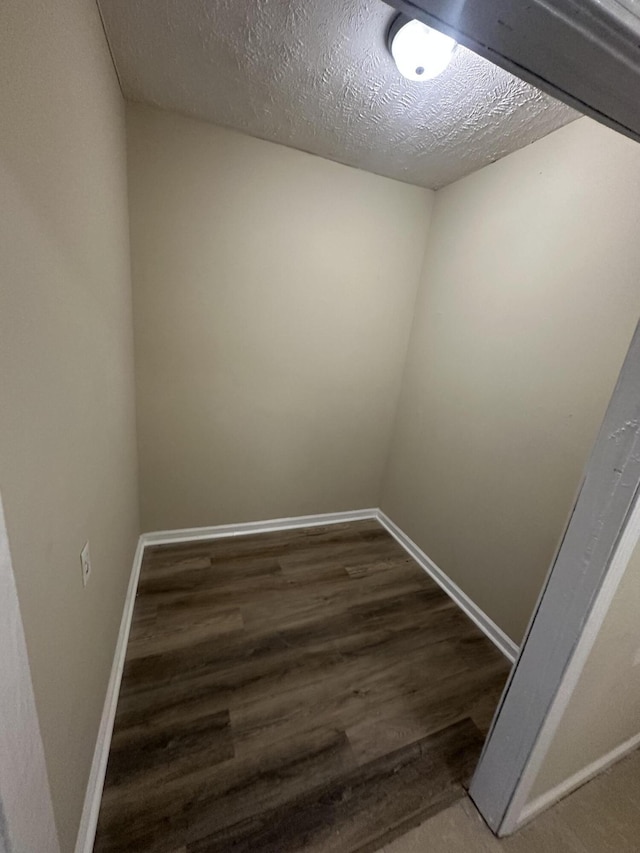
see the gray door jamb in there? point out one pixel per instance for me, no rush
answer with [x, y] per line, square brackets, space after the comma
[604, 503]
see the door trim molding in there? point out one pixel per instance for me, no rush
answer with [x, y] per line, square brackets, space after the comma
[521, 810]
[27, 820]
[573, 591]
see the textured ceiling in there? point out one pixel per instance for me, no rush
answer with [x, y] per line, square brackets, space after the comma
[316, 75]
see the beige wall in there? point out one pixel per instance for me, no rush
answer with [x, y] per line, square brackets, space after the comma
[67, 443]
[274, 294]
[273, 300]
[529, 298]
[602, 713]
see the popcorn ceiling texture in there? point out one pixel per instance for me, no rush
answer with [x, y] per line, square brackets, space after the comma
[316, 75]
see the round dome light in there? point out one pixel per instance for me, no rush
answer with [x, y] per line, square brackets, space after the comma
[420, 52]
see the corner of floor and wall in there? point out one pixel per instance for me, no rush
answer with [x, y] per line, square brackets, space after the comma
[309, 338]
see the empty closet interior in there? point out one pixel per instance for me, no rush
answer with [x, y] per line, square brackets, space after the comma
[213, 322]
[313, 338]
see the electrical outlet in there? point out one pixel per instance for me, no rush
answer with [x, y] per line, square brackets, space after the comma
[85, 562]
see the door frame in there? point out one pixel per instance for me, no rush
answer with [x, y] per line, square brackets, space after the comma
[26, 811]
[591, 63]
[604, 525]
[600, 535]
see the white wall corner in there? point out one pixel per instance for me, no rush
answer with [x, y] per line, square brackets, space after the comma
[497, 636]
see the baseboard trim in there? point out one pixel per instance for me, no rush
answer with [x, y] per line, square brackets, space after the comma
[192, 534]
[544, 801]
[91, 809]
[93, 797]
[488, 627]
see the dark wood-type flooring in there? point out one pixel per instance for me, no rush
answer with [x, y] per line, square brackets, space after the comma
[301, 690]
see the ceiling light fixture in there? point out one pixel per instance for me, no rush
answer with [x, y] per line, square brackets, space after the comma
[420, 52]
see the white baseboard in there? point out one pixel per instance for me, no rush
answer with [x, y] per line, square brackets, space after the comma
[90, 812]
[517, 810]
[93, 796]
[544, 801]
[486, 625]
[191, 534]
[497, 636]
[91, 808]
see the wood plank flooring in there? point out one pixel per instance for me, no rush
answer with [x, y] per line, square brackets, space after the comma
[601, 817]
[301, 690]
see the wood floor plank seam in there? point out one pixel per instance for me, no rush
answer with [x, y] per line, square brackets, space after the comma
[275, 675]
[303, 823]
